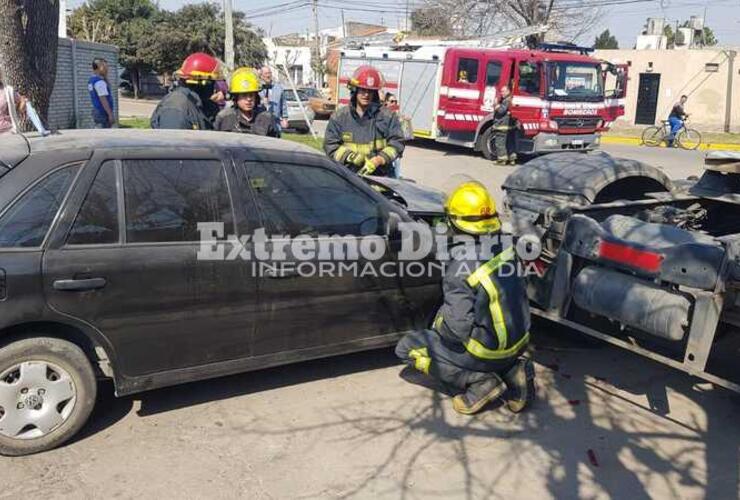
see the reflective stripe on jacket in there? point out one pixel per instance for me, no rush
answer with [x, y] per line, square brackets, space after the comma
[485, 305]
[377, 133]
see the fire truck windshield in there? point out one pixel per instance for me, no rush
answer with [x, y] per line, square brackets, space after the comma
[570, 81]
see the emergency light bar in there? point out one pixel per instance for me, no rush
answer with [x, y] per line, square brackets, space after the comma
[564, 47]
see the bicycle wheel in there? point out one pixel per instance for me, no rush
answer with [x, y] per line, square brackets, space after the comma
[653, 136]
[689, 139]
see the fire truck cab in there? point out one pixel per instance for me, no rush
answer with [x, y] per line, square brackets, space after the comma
[562, 98]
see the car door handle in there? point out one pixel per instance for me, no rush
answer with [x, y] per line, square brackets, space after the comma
[79, 285]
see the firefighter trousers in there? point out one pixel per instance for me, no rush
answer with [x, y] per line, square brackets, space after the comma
[447, 362]
[504, 140]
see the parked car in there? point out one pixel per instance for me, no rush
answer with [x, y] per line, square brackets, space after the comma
[322, 107]
[296, 119]
[100, 275]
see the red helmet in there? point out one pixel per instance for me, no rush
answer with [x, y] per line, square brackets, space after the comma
[366, 77]
[200, 67]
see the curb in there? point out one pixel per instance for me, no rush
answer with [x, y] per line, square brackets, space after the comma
[636, 141]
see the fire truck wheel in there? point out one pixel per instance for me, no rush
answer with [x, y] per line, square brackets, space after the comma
[487, 147]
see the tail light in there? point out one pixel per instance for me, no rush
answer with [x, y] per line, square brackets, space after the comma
[630, 256]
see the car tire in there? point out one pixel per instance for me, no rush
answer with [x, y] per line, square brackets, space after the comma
[50, 374]
[486, 145]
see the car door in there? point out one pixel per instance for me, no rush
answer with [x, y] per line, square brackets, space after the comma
[126, 261]
[495, 79]
[306, 305]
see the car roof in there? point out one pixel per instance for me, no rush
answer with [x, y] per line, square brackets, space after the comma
[94, 139]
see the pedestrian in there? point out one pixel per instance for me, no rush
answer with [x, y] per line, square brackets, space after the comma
[676, 119]
[391, 102]
[192, 103]
[246, 115]
[504, 128]
[482, 328]
[100, 95]
[364, 136]
[8, 98]
[273, 97]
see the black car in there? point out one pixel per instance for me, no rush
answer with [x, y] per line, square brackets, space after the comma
[100, 275]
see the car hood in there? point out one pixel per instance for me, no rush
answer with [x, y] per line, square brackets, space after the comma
[417, 199]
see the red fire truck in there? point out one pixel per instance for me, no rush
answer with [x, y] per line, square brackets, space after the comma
[562, 97]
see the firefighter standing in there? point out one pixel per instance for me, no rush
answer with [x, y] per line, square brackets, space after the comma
[246, 115]
[483, 325]
[504, 129]
[191, 104]
[364, 136]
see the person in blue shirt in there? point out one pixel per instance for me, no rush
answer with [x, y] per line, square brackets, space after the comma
[273, 98]
[100, 95]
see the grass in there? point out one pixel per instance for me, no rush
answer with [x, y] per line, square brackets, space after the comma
[134, 123]
[306, 139]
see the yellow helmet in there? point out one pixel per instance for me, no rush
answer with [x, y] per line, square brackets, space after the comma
[471, 209]
[244, 80]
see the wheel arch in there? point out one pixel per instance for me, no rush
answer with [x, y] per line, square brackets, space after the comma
[483, 125]
[96, 349]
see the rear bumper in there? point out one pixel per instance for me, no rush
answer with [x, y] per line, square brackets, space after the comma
[548, 143]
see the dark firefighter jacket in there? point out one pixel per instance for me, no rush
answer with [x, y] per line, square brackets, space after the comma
[232, 120]
[485, 304]
[350, 138]
[502, 115]
[181, 109]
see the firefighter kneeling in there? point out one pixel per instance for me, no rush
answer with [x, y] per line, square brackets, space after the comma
[482, 327]
[364, 136]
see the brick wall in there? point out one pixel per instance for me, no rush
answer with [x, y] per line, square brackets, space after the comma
[74, 66]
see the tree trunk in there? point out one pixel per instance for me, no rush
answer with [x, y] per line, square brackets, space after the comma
[28, 48]
[135, 79]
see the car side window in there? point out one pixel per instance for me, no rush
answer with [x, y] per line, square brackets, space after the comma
[296, 199]
[493, 73]
[529, 77]
[97, 221]
[166, 199]
[467, 70]
[26, 223]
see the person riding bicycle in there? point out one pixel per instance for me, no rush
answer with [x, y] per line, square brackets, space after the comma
[676, 119]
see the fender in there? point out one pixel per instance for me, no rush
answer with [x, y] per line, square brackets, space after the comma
[483, 124]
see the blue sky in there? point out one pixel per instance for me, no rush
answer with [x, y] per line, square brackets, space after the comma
[625, 21]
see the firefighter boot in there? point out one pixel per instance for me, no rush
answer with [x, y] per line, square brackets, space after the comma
[520, 381]
[512, 159]
[479, 394]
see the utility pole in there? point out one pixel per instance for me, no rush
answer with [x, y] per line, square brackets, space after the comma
[406, 28]
[344, 26]
[318, 76]
[229, 34]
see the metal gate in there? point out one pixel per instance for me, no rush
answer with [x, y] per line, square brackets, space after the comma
[647, 99]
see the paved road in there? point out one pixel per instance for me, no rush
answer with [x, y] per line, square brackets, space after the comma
[607, 424]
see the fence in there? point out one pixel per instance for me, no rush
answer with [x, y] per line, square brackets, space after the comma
[70, 101]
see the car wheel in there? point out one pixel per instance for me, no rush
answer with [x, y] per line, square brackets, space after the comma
[487, 146]
[47, 392]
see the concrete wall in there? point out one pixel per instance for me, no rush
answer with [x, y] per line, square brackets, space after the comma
[684, 72]
[74, 68]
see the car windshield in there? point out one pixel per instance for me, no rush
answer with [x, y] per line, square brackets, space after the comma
[290, 95]
[570, 81]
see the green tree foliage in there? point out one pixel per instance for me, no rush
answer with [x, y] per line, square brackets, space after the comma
[606, 41]
[151, 38]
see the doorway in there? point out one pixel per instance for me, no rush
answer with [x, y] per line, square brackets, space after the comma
[647, 99]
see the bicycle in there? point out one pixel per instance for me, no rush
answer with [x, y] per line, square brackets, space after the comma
[686, 138]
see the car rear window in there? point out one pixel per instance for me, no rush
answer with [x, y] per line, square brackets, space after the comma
[26, 223]
[290, 95]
